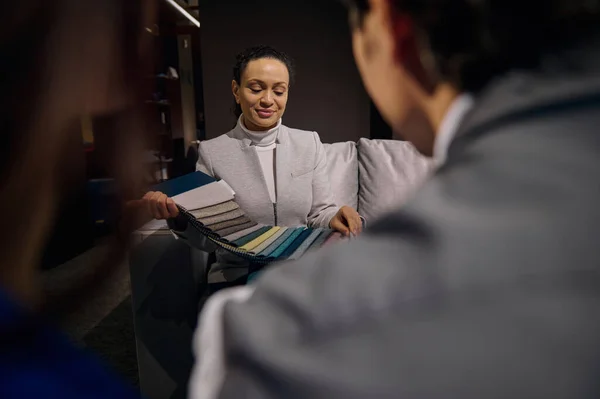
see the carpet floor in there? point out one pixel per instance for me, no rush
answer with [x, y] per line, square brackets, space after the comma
[113, 339]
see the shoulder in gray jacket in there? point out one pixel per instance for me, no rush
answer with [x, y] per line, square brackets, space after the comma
[486, 286]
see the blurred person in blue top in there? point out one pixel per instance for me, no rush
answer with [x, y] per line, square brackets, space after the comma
[61, 60]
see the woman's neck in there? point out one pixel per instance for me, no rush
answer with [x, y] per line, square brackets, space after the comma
[248, 124]
[440, 103]
[260, 138]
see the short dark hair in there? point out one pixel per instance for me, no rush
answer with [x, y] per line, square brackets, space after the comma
[473, 41]
[256, 53]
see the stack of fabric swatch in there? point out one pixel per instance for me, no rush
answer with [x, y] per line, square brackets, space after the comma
[210, 207]
[227, 225]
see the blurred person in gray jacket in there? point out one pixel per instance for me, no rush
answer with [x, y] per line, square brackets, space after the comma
[487, 285]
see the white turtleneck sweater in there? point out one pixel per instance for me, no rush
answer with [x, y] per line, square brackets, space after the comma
[265, 144]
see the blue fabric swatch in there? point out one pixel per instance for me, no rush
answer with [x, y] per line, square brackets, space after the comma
[296, 243]
[271, 248]
[184, 183]
[277, 253]
[306, 244]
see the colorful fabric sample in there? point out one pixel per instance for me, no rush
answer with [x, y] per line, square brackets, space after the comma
[306, 244]
[318, 243]
[246, 239]
[227, 225]
[269, 241]
[277, 253]
[296, 243]
[260, 239]
[271, 248]
[209, 207]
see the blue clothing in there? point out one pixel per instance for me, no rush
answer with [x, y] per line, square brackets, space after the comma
[47, 365]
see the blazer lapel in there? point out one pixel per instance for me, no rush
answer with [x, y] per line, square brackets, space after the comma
[522, 94]
[249, 163]
[283, 164]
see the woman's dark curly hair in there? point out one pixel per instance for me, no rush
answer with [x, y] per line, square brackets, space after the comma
[472, 41]
[256, 53]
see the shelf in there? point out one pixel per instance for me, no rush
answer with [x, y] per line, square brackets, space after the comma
[174, 11]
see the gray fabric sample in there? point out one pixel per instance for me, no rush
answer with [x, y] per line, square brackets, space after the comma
[235, 229]
[204, 196]
[325, 234]
[229, 223]
[215, 210]
[223, 217]
[306, 244]
[242, 233]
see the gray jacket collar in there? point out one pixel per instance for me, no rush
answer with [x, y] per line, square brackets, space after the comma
[561, 81]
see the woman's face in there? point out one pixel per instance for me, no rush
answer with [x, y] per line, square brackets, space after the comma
[262, 93]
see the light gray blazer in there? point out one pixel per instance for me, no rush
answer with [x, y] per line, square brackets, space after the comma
[304, 196]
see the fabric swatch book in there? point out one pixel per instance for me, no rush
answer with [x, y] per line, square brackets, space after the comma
[209, 206]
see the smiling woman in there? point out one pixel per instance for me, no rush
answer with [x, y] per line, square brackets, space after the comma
[279, 174]
[261, 80]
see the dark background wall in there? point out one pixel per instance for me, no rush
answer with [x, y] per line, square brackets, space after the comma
[328, 95]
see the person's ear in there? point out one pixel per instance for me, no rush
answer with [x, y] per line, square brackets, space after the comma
[378, 30]
[396, 27]
[404, 36]
[235, 90]
[408, 49]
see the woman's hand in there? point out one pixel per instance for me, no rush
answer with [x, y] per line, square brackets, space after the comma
[347, 221]
[159, 205]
